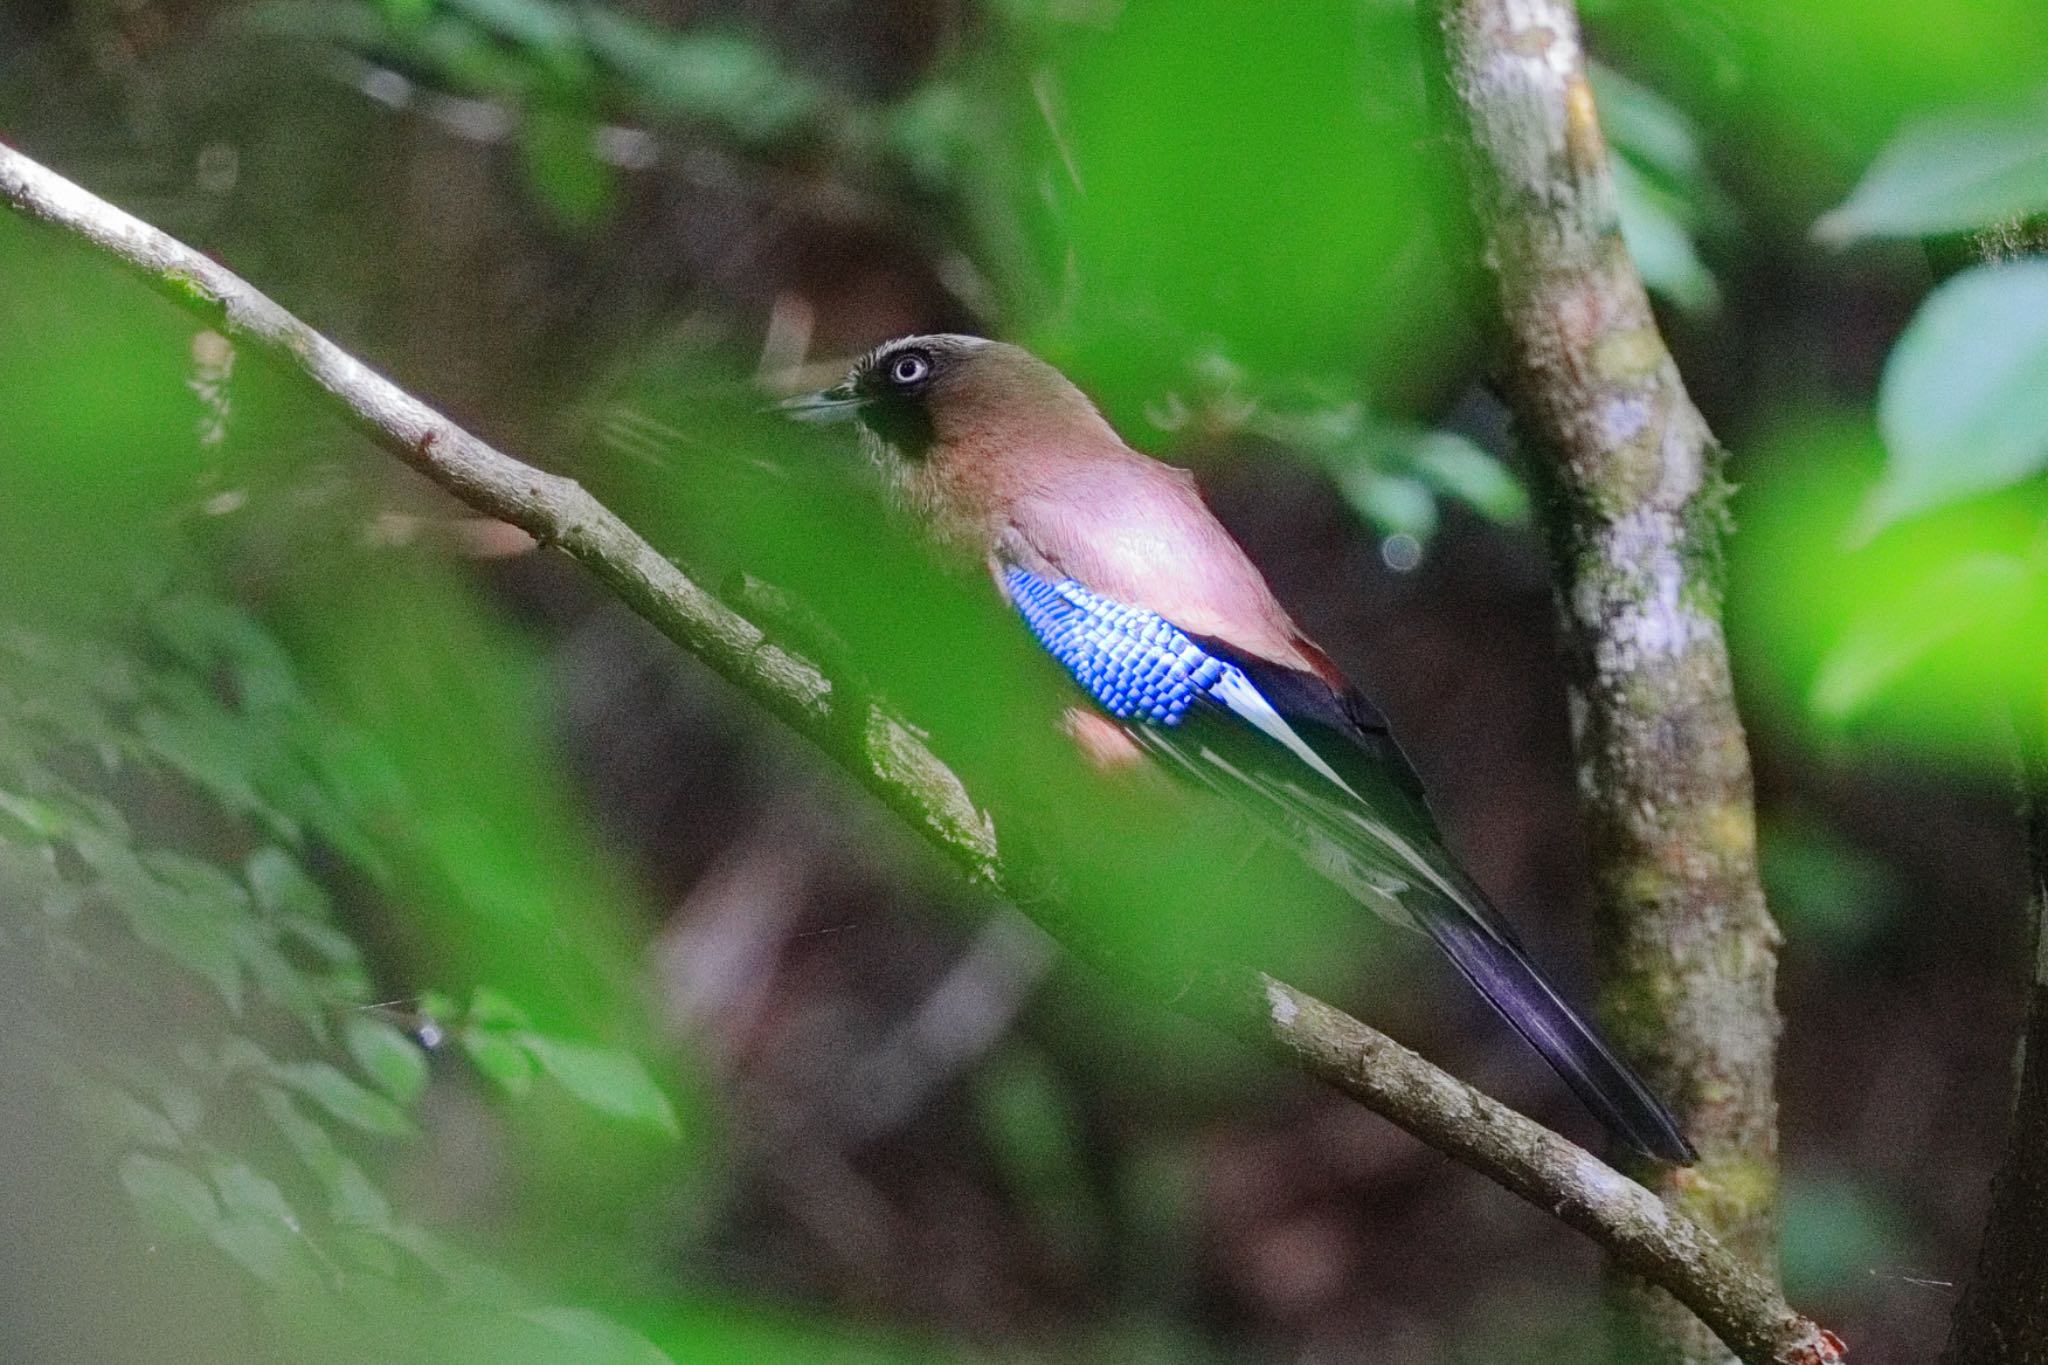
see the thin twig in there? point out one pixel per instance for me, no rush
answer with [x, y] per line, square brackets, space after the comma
[886, 757]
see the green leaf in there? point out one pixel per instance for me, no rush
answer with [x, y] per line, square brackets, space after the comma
[1660, 242]
[467, 1276]
[492, 1039]
[721, 77]
[195, 877]
[111, 1112]
[267, 1249]
[1949, 173]
[1454, 465]
[562, 165]
[405, 13]
[606, 1079]
[203, 743]
[1395, 504]
[243, 1189]
[353, 1198]
[260, 1230]
[1661, 188]
[191, 933]
[501, 1057]
[353, 1104]
[1963, 405]
[1981, 596]
[594, 1339]
[277, 978]
[387, 1055]
[208, 633]
[39, 820]
[1646, 127]
[281, 886]
[172, 1200]
[492, 1008]
[536, 25]
[181, 1105]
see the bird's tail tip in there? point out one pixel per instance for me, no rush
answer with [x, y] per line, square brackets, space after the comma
[1602, 1081]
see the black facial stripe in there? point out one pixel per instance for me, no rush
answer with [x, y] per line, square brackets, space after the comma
[902, 422]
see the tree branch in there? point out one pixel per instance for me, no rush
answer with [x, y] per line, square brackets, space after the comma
[1635, 515]
[886, 757]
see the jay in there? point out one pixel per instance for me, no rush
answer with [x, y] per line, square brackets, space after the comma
[1121, 572]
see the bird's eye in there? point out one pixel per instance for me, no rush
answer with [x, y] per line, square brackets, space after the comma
[909, 368]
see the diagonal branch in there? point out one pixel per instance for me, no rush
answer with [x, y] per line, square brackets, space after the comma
[1635, 515]
[886, 757]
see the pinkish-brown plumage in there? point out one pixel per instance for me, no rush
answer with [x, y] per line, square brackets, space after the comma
[1022, 467]
[1127, 579]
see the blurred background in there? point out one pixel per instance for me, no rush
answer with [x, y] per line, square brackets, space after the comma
[406, 954]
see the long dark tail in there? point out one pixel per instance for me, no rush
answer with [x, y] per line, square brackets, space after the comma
[1512, 984]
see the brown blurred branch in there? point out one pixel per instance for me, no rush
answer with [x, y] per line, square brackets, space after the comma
[888, 758]
[1635, 515]
[2002, 1317]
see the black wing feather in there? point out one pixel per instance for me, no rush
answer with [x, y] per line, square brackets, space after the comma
[1386, 845]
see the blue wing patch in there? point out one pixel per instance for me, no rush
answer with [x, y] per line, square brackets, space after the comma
[1135, 663]
[1140, 666]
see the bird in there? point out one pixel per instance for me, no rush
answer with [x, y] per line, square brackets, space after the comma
[1117, 566]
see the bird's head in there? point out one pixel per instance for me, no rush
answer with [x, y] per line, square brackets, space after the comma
[962, 425]
[922, 396]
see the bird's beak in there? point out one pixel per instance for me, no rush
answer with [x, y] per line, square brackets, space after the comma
[837, 404]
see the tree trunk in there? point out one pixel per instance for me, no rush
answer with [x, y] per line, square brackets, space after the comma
[1634, 512]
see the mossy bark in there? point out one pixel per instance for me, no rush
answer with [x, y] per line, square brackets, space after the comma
[1635, 509]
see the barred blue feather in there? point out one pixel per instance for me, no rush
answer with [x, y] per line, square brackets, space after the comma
[1135, 663]
[1365, 827]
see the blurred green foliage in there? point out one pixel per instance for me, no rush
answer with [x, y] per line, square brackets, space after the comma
[1949, 172]
[1830, 896]
[1393, 473]
[547, 55]
[1813, 91]
[1174, 201]
[376, 736]
[1964, 403]
[1960, 513]
[1134, 198]
[292, 872]
[1157, 224]
[1837, 1234]
[1667, 196]
[171, 788]
[284, 892]
[1842, 630]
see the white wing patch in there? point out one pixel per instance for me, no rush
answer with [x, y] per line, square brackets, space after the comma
[1245, 701]
[1333, 830]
